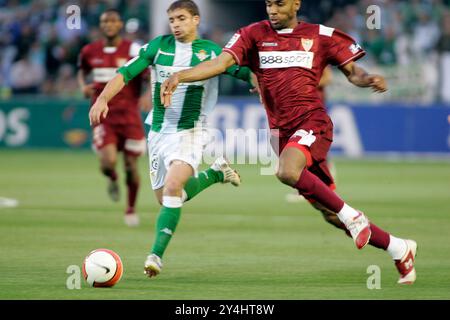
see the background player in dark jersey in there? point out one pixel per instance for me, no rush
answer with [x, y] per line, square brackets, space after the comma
[288, 58]
[123, 129]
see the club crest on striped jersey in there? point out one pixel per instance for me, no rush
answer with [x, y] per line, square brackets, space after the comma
[307, 44]
[202, 55]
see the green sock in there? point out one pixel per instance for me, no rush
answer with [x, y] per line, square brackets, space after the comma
[204, 180]
[165, 227]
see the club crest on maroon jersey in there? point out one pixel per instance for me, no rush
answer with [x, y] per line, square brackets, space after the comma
[307, 44]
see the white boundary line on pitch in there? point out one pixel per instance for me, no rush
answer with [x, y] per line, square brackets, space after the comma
[8, 203]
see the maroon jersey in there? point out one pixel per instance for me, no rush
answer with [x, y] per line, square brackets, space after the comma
[321, 93]
[103, 62]
[289, 64]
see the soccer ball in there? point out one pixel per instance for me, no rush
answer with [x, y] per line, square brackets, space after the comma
[102, 268]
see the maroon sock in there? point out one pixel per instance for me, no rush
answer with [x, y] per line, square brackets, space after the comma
[133, 188]
[379, 238]
[110, 173]
[311, 187]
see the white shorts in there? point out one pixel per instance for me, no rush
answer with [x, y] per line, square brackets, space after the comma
[163, 148]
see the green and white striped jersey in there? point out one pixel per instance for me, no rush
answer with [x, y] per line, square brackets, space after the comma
[191, 102]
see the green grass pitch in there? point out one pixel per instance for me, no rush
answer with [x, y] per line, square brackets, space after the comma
[231, 243]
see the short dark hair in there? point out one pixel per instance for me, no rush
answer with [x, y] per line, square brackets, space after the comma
[189, 5]
[112, 10]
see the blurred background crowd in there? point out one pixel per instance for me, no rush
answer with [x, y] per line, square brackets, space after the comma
[38, 53]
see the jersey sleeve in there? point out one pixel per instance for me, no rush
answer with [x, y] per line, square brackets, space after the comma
[240, 46]
[82, 61]
[236, 71]
[138, 64]
[343, 49]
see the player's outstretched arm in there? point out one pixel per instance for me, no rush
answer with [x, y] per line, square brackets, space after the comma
[202, 71]
[360, 78]
[100, 108]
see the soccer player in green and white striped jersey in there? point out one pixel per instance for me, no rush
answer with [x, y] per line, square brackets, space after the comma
[178, 136]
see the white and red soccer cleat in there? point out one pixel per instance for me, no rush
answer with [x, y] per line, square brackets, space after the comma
[405, 265]
[359, 229]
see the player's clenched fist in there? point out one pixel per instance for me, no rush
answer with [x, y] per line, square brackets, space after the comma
[167, 88]
[98, 111]
[377, 83]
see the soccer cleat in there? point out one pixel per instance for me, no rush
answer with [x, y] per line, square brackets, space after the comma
[229, 174]
[405, 265]
[153, 265]
[359, 229]
[131, 219]
[113, 190]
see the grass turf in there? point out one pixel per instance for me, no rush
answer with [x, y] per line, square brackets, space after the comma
[245, 243]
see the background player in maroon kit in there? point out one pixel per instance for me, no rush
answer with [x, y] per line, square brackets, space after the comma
[288, 58]
[123, 129]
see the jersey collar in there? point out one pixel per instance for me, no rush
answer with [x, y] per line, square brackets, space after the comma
[283, 31]
[287, 30]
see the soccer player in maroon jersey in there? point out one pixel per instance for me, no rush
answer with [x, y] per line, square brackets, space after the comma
[288, 58]
[123, 129]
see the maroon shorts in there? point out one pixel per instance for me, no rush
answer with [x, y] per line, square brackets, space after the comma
[127, 138]
[313, 137]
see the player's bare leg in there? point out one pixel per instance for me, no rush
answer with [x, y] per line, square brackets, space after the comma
[177, 175]
[108, 160]
[181, 186]
[293, 172]
[132, 181]
[159, 195]
[402, 251]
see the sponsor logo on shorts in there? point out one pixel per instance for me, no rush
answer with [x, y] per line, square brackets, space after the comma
[154, 163]
[98, 135]
[307, 138]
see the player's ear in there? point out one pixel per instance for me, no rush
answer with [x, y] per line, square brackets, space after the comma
[196, 20]
[297, 4]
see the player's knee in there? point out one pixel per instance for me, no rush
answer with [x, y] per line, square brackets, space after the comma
[107, 170]
[107, 164]
[173, 187]
[287, 175]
